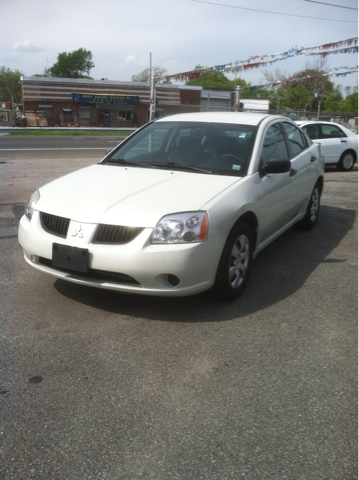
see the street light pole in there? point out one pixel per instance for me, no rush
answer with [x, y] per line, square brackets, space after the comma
[12, 105]
[152, 92]
[320, 100]
[321, 96]
[238, 96]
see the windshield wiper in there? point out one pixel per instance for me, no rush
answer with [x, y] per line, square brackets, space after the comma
[179, 166]
[121, 161]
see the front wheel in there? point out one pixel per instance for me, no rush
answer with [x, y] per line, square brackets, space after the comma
[346, 162]
[234, 265]
[312, 213]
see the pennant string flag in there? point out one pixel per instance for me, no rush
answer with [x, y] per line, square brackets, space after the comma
[336, 72]
[243, 65]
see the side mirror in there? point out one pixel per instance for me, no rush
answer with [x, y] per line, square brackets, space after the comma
[276, 166]
[109, 149]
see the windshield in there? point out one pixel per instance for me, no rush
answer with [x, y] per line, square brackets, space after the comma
[211, 148]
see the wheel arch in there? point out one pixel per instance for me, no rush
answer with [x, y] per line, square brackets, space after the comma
[352, 151]
[251, 220]
[320, 182]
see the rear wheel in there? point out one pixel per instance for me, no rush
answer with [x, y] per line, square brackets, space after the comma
[346, 162]
[312, 213]
[234, 265]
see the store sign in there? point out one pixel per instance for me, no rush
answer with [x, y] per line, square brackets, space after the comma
[105, 99]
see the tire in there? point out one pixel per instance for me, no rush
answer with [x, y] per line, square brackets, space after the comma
[346, 162]
[312, 212]
[235, 263]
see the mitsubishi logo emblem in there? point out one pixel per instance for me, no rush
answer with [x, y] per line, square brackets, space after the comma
[78, 232]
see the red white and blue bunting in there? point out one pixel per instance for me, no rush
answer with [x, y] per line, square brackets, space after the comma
[348, 46]
[337, 72]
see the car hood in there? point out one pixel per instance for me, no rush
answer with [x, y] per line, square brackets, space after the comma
[129, 196]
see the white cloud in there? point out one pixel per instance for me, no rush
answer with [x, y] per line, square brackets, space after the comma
[180, 34]
[26, 46]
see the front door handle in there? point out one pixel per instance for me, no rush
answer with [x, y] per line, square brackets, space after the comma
[293, 172]
[343, 141]
[313, 158]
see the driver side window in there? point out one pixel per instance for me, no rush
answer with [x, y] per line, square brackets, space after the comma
[274, 146]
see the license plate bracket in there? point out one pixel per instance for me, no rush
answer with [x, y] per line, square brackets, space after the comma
[69, 257]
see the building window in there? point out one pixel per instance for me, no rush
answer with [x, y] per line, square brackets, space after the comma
[47, 109]
[126, 114]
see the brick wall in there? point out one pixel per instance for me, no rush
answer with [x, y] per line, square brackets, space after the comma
[57, 93]
[190, 97]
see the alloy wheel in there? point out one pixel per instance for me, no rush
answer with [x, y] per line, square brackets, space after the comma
[239, 261]
[314, 207]
[348, 161]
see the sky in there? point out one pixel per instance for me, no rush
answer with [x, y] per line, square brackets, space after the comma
[180, 34]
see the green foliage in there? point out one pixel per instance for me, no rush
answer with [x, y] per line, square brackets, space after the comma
[336, 104]
[294, 96]
[10, 86]
[213, 80]
[144, 76]
[306, 93]
[73, 64]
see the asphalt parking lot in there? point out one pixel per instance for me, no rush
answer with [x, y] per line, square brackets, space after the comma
[101, 385]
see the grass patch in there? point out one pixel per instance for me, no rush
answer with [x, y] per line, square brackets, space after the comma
[70, 133]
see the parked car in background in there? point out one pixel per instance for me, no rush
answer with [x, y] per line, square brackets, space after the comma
[180, 206]
[339, 144]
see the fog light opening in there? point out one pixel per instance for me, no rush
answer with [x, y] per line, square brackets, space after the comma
[173, 280]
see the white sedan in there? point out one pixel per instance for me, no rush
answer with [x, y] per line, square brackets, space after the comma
[182, 205]
[339, 144]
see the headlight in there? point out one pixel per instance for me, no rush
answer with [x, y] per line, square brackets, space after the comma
[30, 206]
[188, 227]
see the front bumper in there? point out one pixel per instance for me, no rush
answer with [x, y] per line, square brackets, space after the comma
[136, 267]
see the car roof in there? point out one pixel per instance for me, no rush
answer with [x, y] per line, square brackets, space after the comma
[302, 122]
[240, 118]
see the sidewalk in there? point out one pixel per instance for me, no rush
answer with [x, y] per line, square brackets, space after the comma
[67, 129]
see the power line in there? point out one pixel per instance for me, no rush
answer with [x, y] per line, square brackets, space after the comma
[331, 4]
[275, 13]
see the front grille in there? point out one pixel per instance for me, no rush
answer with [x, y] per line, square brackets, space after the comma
[115, 234]
[55, 225]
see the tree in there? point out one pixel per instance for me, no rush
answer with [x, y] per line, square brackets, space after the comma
[212, 79]
[73, 64]
[144, 76]
[310, 87]
[10, 86]
[339, 105]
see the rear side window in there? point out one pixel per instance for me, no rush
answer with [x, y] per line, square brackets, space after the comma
[331, 131]
[296, 139]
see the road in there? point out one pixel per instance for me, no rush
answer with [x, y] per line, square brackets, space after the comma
[101, 385]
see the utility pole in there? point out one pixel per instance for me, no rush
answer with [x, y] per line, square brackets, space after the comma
[12, 105]
[238, 96]
[320, 95]
[152, 92]
[320, 100]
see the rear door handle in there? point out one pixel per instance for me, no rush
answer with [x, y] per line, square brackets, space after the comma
[293, 172]
[343, 141]
[313, 158]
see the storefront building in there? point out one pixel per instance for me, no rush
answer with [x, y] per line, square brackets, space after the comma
[81, 102]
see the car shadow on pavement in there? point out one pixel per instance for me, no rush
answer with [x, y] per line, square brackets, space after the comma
[277, 273]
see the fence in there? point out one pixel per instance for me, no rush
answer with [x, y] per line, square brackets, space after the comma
[349, 120]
